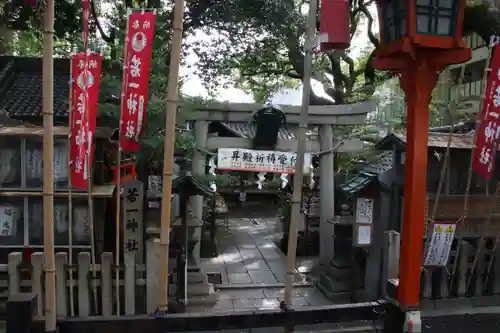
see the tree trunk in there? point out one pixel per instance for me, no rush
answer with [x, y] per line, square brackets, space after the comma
[6, 35]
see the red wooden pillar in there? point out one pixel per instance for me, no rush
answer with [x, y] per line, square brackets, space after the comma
[417, 84]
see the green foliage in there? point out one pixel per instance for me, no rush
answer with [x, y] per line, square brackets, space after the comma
[259, 46]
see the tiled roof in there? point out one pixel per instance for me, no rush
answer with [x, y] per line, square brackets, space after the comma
[247, 130]
[440, 140]
[380, 164]
[436, 140]
[359, 182]
[369, 172]
[21, 87]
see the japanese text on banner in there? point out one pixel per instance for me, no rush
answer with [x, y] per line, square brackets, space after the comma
[138, 48]
[488, 130]
[85, 94]
[259, 160]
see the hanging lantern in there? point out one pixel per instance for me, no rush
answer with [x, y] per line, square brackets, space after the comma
[334, 25]
[425, 23]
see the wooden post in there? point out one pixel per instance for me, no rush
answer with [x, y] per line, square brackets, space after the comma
[14, 260]
[106, 283]
[168, 159]
[48, 163]
[36, 281]
[83, 265]
[301, 148]
[61, 289]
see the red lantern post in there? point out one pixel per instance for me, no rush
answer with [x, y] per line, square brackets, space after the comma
[334, 25]
[419, 38]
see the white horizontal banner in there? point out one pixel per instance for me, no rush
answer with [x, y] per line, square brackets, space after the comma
[259, 160]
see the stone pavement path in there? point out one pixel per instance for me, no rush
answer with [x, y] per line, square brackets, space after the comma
[253, 268]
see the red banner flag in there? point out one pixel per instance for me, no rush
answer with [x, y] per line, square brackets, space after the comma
[138, 48]
[83, 114]
[488, 129]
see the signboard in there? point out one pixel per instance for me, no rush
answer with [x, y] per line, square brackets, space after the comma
[154, 183]
[9, 166]
[259, 160]
[81, 225]
[61, 218]
[133, 201]
[364, 211]
[34, 163]
[362, 235]
[439, 247]
[7, 220]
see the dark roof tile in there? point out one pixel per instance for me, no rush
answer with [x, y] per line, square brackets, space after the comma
[436, 140]
[21, 91]
[247, 130]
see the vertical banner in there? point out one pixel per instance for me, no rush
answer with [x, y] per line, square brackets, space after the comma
[138, 48]
[84, 114]
[488, 129]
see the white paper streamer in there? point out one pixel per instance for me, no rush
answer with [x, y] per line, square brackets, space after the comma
[261, 177]
[284, 180]
[311, 177]
[211, 171]
[211, 164]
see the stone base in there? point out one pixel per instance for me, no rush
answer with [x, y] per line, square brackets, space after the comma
[335, 278]
[199, 291]
[199, 294]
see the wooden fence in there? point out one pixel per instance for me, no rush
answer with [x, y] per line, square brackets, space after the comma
[473, 269]
[137, 283]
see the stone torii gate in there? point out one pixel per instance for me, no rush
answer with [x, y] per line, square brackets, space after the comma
[237, 117]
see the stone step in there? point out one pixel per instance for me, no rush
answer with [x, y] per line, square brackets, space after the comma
[360, 328]
[195, 290]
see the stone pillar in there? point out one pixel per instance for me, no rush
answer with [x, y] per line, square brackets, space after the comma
[327, 195]
[201, 133]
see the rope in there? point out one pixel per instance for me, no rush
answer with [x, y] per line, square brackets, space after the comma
[444, 166]
[469, 178]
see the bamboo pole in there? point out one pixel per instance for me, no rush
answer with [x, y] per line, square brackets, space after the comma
[118, 180]
[168, 159]
[117, 225]
[301, 148]
[70, 199]
[90, 202]
[48, 163]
